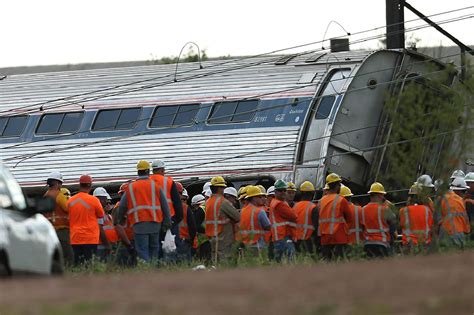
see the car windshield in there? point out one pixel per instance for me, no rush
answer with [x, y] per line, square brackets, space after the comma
[11, 195]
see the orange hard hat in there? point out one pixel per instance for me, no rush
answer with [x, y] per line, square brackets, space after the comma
[85, 179]
[123, 188]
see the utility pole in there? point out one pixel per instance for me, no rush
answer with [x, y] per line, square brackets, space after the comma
[394, 12]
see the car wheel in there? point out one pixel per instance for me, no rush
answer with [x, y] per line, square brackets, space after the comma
[57, 266]
[5, 270]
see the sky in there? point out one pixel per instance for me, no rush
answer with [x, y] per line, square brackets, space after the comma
[43, 32]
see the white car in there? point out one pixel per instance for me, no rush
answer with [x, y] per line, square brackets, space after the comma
[28, 241]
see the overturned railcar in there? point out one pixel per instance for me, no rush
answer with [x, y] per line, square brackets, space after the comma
[294, 117]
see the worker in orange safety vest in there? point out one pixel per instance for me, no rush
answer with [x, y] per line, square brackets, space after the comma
[187, 239]
[354, 219]
[304, 223]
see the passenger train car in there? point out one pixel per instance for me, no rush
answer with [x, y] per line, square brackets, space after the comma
[294, 117]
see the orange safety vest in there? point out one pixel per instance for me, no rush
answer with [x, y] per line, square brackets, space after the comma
[416, 222]
[453, 214]
[109, 229]
[165, 183]
[374, 225]
[215, 220]
[143, 197]
[183, 226]
[58, 217]
[331, 218]
[250, 230]
[127, 227]
[304, 222]
[353, 224]
[280, 227]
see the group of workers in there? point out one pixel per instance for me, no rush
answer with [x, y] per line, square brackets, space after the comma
[255, 220]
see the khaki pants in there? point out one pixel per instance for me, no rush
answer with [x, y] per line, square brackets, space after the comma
[68, 254]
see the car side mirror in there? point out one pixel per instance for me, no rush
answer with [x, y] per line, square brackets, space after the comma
[41, 205]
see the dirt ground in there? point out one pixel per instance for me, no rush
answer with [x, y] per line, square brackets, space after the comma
[442, 284]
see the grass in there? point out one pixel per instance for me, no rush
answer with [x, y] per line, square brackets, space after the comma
[80, 308]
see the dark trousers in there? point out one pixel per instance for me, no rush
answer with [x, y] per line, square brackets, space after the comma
[83, 253]
[305, 246]
[205, 253]
[64, 239]
[333, 251]
[375, 251]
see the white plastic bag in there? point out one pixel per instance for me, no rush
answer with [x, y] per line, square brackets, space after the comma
[169, 245]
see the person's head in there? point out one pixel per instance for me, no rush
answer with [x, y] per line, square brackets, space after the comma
[197, 201]
[143, 168]
[123, 188]
[218, 185]
[102, 195]
[85, 183]
[270, 195]
[459, 186]
[307, 191]
[346, 193]
[334, 183]
[55, 180]
[377, 193]
[184, 196]
[290, 191]
[414, 194]
[230, 193]
[158, 167]
[65, 192]
[242, 194]
[469, 179]
[280, 190]
[255, 196]
[205, 187]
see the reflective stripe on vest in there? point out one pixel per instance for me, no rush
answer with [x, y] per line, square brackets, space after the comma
[165, 188]
[252, 230]
[81, 201]
[306, 225]
[381, 229]
[332, 220]
[357, 230]
[216, 222]
[408, 231]
[134, 210]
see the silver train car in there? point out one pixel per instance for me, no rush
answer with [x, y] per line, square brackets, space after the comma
[294, 117]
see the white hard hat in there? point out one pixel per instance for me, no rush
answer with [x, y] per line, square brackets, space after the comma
[56, 175]
[459, 184]
[469, 177]
[108, 197]
[208, 193]
[100, 192]
[231, 191]
[206, 187]
[157, 164]
[425, 181]
[458, 173]
[185, 193]
[198, 199]
[271, 190]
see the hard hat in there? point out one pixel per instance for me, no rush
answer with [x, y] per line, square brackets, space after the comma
[415, 189]
[271, 191]
[242, 193]
[458, 173]
[333, 178]
[425, 181]
[56, 175]
[185, 193]
[100, 192]
[108, 197]
[205, 187]
[291, 186]
[469, 177]
[438, 183]
[123, 188]
[143, 165]
[254, 191]
[345, 191]
[280, 185]
[307, 187]
[231, 191]
[262, 189]
[65, 192]
[198, 200]
[326, 187]
[208, 193]
[85, 179]
[459, 184]
[180, 187]
[218, 181]
[377, 188]
[157, 164]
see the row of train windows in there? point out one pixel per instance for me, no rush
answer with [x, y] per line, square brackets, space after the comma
[122, 119]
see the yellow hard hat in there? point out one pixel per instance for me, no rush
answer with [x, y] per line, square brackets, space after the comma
[242, 192]
[65, 192]
[262, 189]
[326, 187]
[307, 186]
[377, 188]
[333, 178]
[254, 191]
[143, 165]
[345, 191]
[291, 186]
[218, 181]
[415, 189]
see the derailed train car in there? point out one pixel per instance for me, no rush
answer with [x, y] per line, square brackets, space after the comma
[294, 117]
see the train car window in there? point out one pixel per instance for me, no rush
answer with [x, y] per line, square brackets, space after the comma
[12, 126]
[241, 111]
[112, 119]
[59, 123]
[325, 106]
[177, 115]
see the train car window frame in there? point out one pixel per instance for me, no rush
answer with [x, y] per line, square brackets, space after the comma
[177, 109]
[60, 124]
[5, 126]
[115, 125]
[230, 118]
